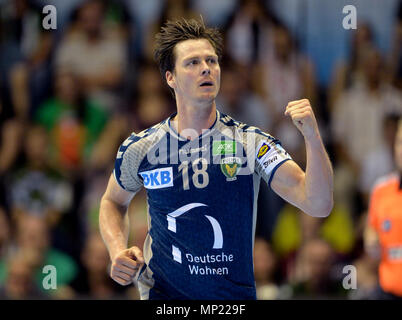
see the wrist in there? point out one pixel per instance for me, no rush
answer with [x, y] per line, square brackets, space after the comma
[313, 138]
[115, 251]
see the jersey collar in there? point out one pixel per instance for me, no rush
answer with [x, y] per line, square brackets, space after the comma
[203, 135]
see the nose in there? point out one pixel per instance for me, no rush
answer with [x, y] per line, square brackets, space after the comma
[205, 69]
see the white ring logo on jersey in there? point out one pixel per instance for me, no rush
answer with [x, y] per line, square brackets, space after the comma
[171, 218]
[158, 178]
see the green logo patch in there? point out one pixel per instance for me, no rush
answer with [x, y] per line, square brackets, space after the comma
[223, 147]
[230, 167]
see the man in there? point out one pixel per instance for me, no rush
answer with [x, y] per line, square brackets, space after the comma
[202, 170]
[383, 233]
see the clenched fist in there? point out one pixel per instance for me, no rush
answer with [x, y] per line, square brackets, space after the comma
[303, 117]
[126, 264]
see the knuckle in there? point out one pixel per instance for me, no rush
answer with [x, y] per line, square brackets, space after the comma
[126, 282]
[120, 281]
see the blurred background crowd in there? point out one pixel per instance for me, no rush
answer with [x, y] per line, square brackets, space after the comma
[70, 96]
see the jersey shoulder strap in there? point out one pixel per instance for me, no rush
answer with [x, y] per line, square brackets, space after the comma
[132, 153]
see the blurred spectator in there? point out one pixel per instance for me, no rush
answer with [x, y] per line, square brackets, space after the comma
[367, 280]
[382, 237]
[95, 53]
[92, 194]
[396, 53]
[26, 51]
[151, 102]
[33, 237]
[150, 81]
[293, 228]
[246, 30]
[312, 276]
[94, 282]
[343, 243]
[35, 188]
[22, 31]
[374, 99]
[171, 10]
[215, 13]
[265, 263]
[383, 153]
[5, 233]
[73, 121]
[285, 75]
[11, 127]
[349, 73]
[237, 99]
[10, 143]
[19, 280]
[151, 109]
[355, 136]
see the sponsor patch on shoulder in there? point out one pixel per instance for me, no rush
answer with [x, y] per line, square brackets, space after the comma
[263, 150]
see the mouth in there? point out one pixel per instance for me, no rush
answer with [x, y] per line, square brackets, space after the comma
[206, 84]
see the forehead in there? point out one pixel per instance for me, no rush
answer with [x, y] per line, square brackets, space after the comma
[193, 47]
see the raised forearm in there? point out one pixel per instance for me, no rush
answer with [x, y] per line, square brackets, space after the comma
[319, 177]
[113, 223]
[316, 186]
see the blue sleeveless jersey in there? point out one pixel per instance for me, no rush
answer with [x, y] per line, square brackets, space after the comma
[202, 206]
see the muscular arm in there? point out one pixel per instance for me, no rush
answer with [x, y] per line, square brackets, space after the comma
[113, 220]
[311, 191]
[113, 223]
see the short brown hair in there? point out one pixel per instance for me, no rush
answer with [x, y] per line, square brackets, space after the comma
[176, 31]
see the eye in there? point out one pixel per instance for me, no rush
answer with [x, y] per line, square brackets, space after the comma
[193, 62]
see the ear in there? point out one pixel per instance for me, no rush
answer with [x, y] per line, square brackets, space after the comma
[170, 79]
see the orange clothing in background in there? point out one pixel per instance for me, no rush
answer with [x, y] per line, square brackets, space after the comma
[385, 216]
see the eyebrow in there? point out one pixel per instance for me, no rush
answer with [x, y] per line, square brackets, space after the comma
[198, 57]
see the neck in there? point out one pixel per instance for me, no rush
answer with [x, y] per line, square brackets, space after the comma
[191, 120]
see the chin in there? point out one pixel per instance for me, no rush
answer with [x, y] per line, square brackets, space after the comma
[207, 99]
